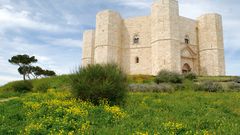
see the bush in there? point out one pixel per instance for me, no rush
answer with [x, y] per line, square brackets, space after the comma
[168, 77]
[22, 86]
[209, 87]
[98, 82]
[179, 87]
[150, 88]
[42, 86]
[237, 80]
[190, 76]
[234, 86]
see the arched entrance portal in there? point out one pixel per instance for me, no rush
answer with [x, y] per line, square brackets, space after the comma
[186, 68]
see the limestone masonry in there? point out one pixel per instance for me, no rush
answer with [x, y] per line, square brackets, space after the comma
[162, 40]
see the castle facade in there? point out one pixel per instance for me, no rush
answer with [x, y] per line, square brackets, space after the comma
[161, 41]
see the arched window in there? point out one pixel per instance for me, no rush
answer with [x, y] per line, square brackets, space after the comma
[136, 39]
[137, 59]
[186, 68]
[187, 41]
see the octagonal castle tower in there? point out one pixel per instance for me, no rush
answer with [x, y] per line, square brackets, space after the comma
[211, 48]
[161, 41]
[165, 41]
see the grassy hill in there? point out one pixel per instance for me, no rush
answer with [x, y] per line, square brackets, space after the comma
[50, 109]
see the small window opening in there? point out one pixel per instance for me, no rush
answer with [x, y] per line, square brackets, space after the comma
[137, 60]
[136, 39]
[187, 41]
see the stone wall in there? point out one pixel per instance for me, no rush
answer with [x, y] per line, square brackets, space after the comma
[188, 28]
[108, 37]
[139, 26]
[161, 41]
[211, 48]
[88, 47]
[165, 36]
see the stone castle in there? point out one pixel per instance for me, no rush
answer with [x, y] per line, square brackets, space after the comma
[162, 40]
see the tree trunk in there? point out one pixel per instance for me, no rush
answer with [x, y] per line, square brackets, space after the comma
[24, 77]
[28, 77]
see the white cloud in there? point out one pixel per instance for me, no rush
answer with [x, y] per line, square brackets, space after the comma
[67, 42]
[12, 19]
[140, 4]
[71, 19]
[5, 79]
[42, 58]
[192, 10]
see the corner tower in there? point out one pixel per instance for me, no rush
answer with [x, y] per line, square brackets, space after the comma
[165, 41]
[88, 47]
[211, 50]
[108, 37]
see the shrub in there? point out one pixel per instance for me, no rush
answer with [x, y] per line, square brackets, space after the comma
[237, 80]
[22, 86]
[209, 87]
[234, 86]
[150, 88]
[42, 86]
[179, 87]
[168, 77]
[216, 78]
[97, 82]
[190, 76]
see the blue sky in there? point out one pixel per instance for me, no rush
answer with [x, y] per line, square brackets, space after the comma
[52, 30]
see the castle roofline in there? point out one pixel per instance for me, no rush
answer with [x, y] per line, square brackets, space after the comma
[137, 17]
[108, 11]
[209, 14]
[161, 1]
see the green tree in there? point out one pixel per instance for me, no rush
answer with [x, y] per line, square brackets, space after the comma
[26, 69]
[24, 62]
[48, 73]
[37, 71]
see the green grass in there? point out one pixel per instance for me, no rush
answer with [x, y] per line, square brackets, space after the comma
[163, 113]
[216, 78]
[56, 82]
[181, 112]
[139, 79]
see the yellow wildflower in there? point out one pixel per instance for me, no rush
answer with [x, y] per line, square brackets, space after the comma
[71, 133]
[115, 110]
[140, 133]
[205, 132]
[84, 127]
[32, 105]
[173, 128]
[77, 111]
[32, 126]
[61, 132]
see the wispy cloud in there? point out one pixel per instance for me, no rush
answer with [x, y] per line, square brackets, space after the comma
[12, 19]
[66, 42]
[140, 4]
